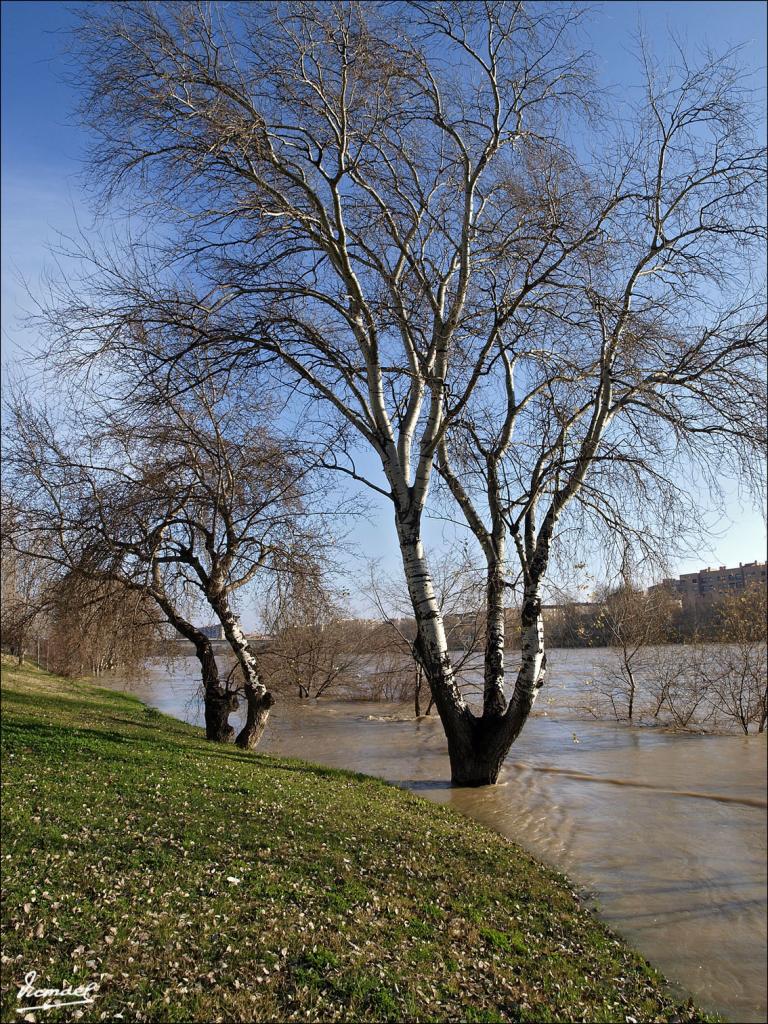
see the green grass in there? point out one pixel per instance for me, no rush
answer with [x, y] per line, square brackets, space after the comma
[194, 882]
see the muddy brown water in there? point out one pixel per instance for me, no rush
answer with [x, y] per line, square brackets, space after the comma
[667, 832]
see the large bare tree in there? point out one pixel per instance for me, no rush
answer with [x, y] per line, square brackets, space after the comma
[411, 211]
[174, 497]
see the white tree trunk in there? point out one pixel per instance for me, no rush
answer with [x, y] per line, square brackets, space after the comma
[432, 645]
[238, 641]
[258, 699]
[494, 701]
[530, 678]
[476, 746]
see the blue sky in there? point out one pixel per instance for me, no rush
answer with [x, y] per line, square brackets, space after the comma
[42, 149]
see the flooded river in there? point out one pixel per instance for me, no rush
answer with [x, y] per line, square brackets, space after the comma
[667, 831]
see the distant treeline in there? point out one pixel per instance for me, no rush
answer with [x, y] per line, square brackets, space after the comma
[588, 625]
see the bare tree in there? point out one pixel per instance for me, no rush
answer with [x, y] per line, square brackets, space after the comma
[392, 673]
[681, 687]
[736, 670]
[314, 645]
[667, 685]
[390, 209]
[635, 622]
[169, 498]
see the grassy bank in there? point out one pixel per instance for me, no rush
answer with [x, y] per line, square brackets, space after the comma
[195, 882]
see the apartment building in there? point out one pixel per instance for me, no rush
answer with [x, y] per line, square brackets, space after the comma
[709, 583]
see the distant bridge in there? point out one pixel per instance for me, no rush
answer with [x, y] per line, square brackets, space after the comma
[175, 645]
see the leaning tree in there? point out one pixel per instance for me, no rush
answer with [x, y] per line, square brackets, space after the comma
[175, 497]
[421, 216]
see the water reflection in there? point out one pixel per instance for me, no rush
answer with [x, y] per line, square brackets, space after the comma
[668, 831]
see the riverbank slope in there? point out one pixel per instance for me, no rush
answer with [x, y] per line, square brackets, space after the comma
[195, 882]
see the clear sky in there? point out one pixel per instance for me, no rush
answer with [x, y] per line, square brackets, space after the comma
[42, 148]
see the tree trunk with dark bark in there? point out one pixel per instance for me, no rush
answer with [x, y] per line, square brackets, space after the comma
[476, 749]
[218, 702]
